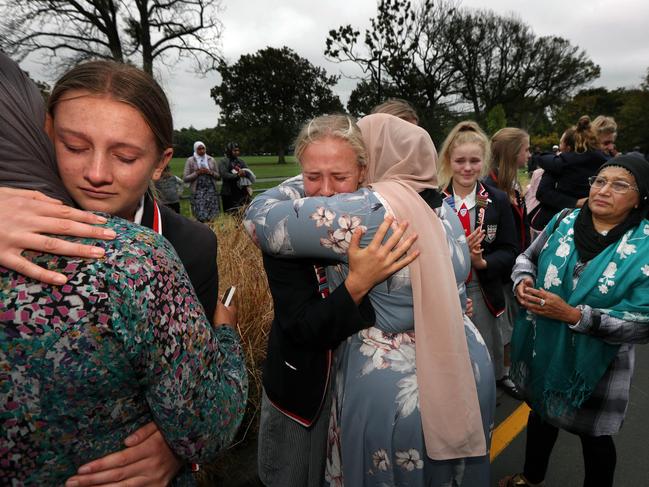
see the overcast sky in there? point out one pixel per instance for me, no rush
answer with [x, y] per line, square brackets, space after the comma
[614, 33]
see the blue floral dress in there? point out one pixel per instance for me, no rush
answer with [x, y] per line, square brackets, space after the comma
[375, 434]
[123, 343]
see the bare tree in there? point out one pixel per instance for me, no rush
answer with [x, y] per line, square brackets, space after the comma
[138, 31]
[404, 53]
[452, 61]
[502, 62]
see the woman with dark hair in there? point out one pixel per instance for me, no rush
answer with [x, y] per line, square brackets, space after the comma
[237, 179]
[584, 284]
[87, 363]
[565, 181]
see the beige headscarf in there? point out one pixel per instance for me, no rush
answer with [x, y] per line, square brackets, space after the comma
[402, 162]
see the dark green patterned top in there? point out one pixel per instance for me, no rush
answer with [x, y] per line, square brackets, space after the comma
[124, 342]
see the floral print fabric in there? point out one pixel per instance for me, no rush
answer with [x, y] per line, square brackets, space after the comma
[205, 199]
[124, 342]
[375, 434]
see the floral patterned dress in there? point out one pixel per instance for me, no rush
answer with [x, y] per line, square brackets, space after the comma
[124, 342]
[205, 199]
[375, 434]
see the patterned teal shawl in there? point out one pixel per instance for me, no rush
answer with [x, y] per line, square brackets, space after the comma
[559, 368]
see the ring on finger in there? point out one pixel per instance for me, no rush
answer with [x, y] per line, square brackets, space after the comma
[542, 302]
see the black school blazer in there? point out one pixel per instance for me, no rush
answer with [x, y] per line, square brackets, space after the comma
[306, 329]
[499, 246]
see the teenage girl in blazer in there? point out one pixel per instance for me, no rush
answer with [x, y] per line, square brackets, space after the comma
[510, 151]
[487, 219]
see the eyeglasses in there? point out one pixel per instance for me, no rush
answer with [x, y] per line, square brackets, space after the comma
[619, 187]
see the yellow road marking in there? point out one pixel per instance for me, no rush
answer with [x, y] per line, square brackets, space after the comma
[509, 429]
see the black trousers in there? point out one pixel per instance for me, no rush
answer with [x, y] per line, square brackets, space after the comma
[598, 451]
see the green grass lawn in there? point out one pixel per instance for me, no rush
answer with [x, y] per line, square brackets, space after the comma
[262, 166]
[267, 167]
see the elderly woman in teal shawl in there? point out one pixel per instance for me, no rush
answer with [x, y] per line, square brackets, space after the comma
[584, 284]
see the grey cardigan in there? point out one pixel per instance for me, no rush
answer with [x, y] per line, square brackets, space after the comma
[190, 174]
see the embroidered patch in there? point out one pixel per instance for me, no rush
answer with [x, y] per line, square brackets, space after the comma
[490, 235]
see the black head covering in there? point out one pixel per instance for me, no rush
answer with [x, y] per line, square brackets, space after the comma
[588, 241]
[230, 147]
[27, 158]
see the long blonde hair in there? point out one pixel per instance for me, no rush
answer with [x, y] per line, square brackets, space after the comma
[506, 144]
[466, 132]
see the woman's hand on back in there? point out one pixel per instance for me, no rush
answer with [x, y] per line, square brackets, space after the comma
[28, 216]
[378, 261]
[147, 461]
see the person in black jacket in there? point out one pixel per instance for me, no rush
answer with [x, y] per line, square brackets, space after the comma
[309, 322]
[486, 215]
[565, 181]
[510, 151]
[233, 171]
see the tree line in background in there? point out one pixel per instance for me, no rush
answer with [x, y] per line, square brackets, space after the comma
[137, 31]
[450, 62]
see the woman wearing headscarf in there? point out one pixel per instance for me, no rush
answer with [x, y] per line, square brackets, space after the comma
[237, 179]
[405, 409]
[585, 285]
[201, 172]
[85, 364]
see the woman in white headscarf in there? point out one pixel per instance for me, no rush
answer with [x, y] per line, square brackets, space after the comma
[202, 173]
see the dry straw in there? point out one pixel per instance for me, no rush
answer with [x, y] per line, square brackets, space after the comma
[240, 264]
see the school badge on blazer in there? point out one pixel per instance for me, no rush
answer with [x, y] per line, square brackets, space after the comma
[490, 234]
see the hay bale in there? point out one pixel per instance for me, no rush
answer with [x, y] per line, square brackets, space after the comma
[240, 264]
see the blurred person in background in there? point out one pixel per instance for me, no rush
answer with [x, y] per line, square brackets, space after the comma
[565, 179]
[605, 129]
[169, 189]
[202, 173]
[510, 151]
[399, 108]
[237, 179]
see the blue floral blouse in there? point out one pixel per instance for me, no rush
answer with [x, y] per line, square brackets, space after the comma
[124, 342]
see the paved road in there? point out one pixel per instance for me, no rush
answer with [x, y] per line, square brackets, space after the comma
[566, 464]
